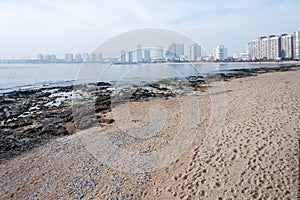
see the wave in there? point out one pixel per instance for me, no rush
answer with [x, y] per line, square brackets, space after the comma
[39, 85]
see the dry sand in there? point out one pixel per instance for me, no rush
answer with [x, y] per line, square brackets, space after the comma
[242, 144]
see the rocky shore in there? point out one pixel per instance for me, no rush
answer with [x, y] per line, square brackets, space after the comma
[33, 117]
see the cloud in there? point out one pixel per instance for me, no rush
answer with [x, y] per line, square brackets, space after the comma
[71, 26]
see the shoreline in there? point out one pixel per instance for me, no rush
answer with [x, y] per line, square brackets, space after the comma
[69, 83]
[294, 62]
[31, 118]
[253, 63]
[224, 63]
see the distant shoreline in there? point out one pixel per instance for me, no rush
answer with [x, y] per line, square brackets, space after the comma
[183, 62]
[240, 63]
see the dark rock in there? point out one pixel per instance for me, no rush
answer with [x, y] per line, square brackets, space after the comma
[106, 120]
[103, 84]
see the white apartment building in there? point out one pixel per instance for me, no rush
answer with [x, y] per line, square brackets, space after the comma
[220, 53]
[286, 46]
[195, 52]
[255, 49]
[274, 48]
[297, 45]
[266, 48]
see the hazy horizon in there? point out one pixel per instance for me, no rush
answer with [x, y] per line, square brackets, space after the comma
[31, 27]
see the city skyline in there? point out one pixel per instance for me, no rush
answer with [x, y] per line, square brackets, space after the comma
[31, 27]
[272, 47]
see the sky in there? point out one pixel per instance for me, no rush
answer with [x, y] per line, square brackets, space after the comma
[29, 27]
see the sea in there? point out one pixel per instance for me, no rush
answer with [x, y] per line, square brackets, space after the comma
[34, 76]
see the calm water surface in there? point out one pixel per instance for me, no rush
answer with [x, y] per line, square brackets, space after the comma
[29, 76]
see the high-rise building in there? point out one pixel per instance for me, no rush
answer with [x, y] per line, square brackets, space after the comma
[247, 55]
[256, 48]
[266, 48]
[78, 58]
[175, 51]
[274, 48]
[86, 57]
[139, 53]
[147, 55]
[220, 53]
[93, 57]
[99, 57]
[248, 48]
[46, 57]
[123, 56]
[40, 57]
[297, 45]
[130, 56]
[195, 52]
[157, 53]
[69, 57]
[52, 58]
[286, 46]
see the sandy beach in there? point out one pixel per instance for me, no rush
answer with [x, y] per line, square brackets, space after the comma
[237, 140]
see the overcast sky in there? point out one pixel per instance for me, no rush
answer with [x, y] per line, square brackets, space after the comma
[29, 27]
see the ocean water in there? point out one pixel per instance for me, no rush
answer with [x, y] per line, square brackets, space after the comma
[29, 76]
[32, 76]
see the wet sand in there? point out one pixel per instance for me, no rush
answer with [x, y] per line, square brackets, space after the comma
[245, 146]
